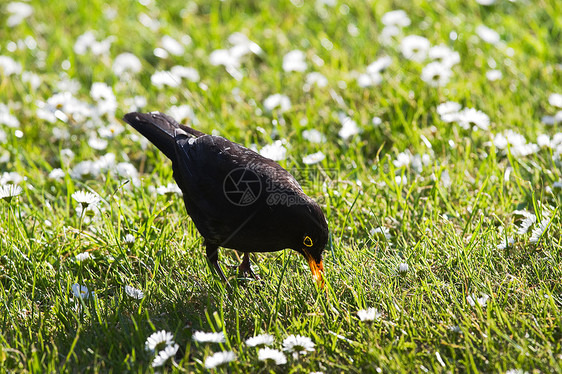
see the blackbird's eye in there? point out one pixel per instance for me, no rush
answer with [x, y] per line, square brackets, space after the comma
[307, 241]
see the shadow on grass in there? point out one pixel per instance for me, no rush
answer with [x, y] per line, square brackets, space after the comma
[112, 337]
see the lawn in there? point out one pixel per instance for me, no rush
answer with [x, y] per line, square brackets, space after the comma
[428, 131]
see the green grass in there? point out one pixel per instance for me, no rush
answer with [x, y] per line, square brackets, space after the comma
[447, 233]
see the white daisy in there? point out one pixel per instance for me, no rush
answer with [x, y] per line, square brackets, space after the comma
[160, 52]
[148, 22]
[368, 80]
[182, 113]
[162, 78]
[129, 239]
[472, 117]
[9, 191]
[68, 84]
[402, 159]
[486, 2]
[528, 221]
[298, 345]
[172, 45]
[10, 177]
[224, 57]
[445, 179]
[448, 108]
[505, 243]
[415, 47]
[436, 74]
[493, 75]
[552, 120]
[85, 169]
[369, 314]
[82, 256]
[111, 130]
[262, 339]
[455, 329]
[382, 231]
[242, 46]
[103, 46]
[126, 63]
[352, 29]
[33, 79]
[169, 189]
[135, 103]
[9, 66]
[273, 355]
[275, 151]
[444, 55]
[277, 101]
[555, 99]
[400, 180]
[349, 127]
[101, 91]
[86, 198]
[159, 340]
[317, 79]
[96, 143]
[388, 33]
[543, 140]
[397, 18]
[313, 158]
[133, 292]
[209, 337]
[516, 371]
[184, 72]
[539, 230]
[7, 118]
[18, 11]
[379, 65]
[66, 154]
[482, 301]
[487, 34]
[164, 355]
[294, 61]
[314, 136]
[80, 291]
[126, 170]
[64, 104]
[219, 358]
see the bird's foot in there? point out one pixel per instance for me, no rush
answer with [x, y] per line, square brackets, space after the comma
[245, 271]
[245, 268]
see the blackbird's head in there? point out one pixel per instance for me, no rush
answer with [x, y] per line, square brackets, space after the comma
[313, 241]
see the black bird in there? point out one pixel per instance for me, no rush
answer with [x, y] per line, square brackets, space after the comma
[237, 198]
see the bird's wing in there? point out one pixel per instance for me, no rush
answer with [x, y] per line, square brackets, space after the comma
[212, 167]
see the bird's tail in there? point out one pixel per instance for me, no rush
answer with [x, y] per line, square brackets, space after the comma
[160, 129]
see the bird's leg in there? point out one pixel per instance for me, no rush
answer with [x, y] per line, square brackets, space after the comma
[213, 258]
[245, 267]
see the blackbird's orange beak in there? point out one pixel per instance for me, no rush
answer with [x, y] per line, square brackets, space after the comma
[317, 269]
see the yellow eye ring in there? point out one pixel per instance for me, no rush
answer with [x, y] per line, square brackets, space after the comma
[307, 241]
